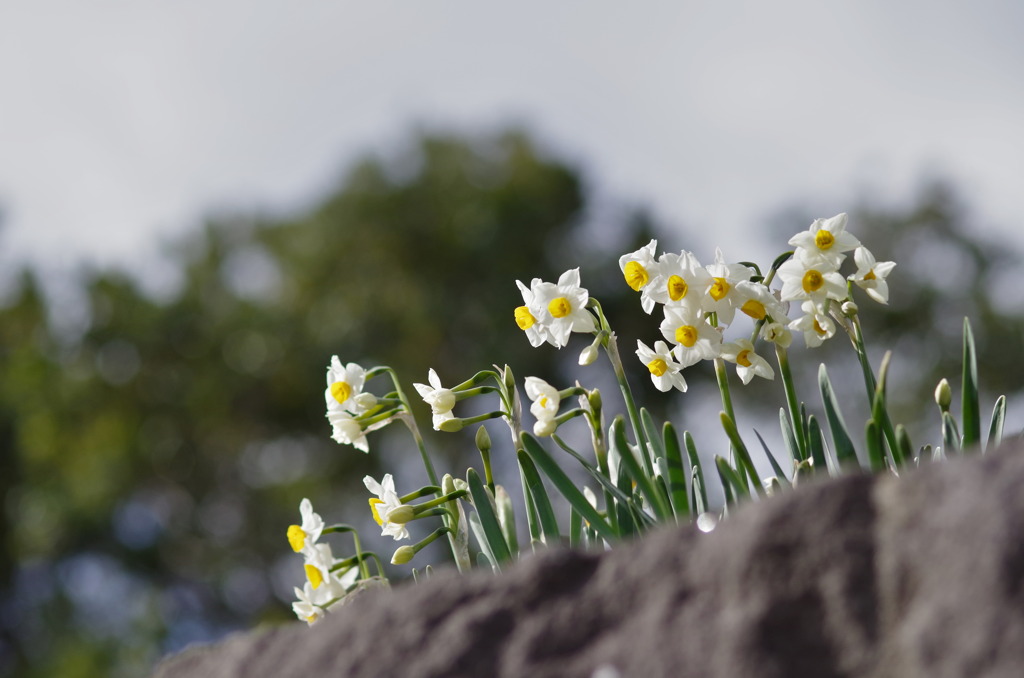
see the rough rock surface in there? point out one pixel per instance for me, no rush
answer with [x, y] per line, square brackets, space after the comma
[920, 576]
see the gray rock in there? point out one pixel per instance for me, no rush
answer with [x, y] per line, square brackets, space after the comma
[861, 576]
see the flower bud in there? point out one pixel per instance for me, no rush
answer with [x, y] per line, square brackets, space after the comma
[402, 555]
[400, 514]
[447, 484]
[849, 309]
[365, 401]
[460, 484]
[453, 425]
[544, 427]
[588, 355]
[594, 398]
[483, 440]
[943, 395]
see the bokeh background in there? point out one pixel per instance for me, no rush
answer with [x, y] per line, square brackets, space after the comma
[201, 203]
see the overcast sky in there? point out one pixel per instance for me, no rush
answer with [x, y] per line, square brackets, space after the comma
[122, 123]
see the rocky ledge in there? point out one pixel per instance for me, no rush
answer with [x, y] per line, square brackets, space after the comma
[861, 576]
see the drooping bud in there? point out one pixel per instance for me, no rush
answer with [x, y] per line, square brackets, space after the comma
[402, 555]
[588, 355]
[943, 395]
[400, 514]
[849, 309]
[453, 425]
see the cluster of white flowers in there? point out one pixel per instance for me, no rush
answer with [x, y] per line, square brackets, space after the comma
[346, 400]
[388, 510]
[699, 302]
[551, 311]
[323, 586]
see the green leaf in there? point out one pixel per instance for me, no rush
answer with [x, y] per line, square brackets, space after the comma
[546, 463]
[817, 445]
[970, 408]
[575, 528]
[903, 442]
[776, 468]
[657, 502]
[652, 433]
[995, 428]
[841, 441]
[787, 436]
[481, 538]
[532, 519]
[545, 514]
[746, 464]
[735, 486]
[696, 473]
[507, 518]
[876, 446]
[880, 412]
[488, 519]
[676, 472]
[950, 434]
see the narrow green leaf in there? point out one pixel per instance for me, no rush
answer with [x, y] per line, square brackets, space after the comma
[950, 434]
[652, 433]
[880, 412]
[816, 445]
[676, 472]
[507, 518]
[546, 463]
[488, 519]
[696, 473]
[903, 442]
[532, 520]
[746, 464]
[484, 559]
[970, 409]
[594, 472]
[841, 441]
[787, 436]
[657, 502]
[776, 468]
[575, 528]
[995, 428]
[876, 446]
[735, 486]
[545, 514]
[481, 538]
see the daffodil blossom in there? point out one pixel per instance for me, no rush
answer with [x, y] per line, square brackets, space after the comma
[694, 338]
[347, 430]
[815, 325]
[721, 295]
[666, 373]
[681, 281]
[313, 603]
[826, 239]
[758, 302]
[562, 308]
[319, 561]
[385, 501]
[545, 405]
[638, 268]
[440, 399]
[344, 384]
[871, 275]
[303, 537]
[777, 333]
[808, 277]
[748, 363]
[536, 332]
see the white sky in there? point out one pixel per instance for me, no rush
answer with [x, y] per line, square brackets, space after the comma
[123, 123]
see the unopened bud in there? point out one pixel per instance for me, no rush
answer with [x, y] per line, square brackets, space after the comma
[400, 514]
[447, 484]
[849, 309]
[483, 440]
[594, 398]
[943, 395]
[402, 555]
[453, 425]
[544, 427]
[588, 355]
[366, 401]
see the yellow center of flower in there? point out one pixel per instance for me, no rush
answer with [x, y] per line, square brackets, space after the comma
[310, 619]
[560, 307]
[870, 275]
[341, 391]
[658, 367]
[543, 401]
[374, 501]
[742, 358]
[818, 328]
[813, 280]
[719, 288]
[686, 335]
[315, 576]
[296, 537]
[636, 275]
[677, 288]
[524, 318]
[754, 308]
[824, 240]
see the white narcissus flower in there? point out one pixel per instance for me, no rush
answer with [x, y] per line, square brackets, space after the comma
[808, 277]
[826, 239]
[748, 363]
[871, 275]
[386, 501]
[313, 603]
[319, 561]
[694, 338]
[681, 281]
[758, 302]
[440, 399]
[816, 326]
[344, 383]
[777, 333]
[302, 537]
[562, 308]
[347, 430]
[638, 268]
[666, 373]
[536, 331]
[721, 296]
[546, 401]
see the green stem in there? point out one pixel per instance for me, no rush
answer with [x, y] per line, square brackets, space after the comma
[611, 348]
[723, 387]
[871, 384]
[796, 422]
